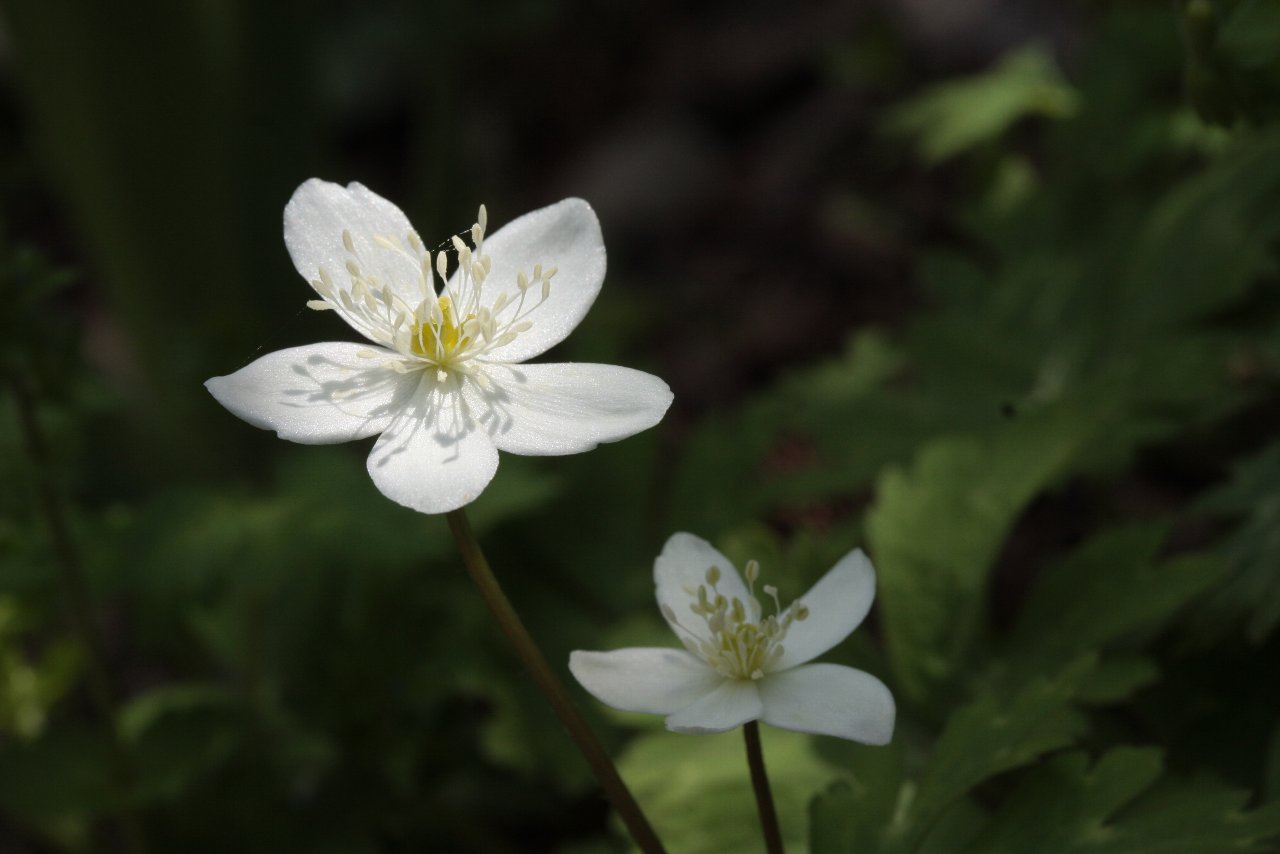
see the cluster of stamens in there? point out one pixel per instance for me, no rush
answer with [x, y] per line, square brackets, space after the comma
[442, 330]
[741, 642]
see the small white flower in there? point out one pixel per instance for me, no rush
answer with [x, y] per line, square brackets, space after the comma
[739, 665]
[442, 386]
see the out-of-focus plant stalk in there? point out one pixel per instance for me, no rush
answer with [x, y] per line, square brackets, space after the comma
[760, 783]
[551, 686]
[75, 593]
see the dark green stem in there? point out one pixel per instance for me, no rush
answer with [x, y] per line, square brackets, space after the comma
[551, 686]
[760, 783]
[75, 592]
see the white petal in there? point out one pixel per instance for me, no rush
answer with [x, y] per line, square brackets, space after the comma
[432, 458]
[829, 699]
[644, 679]
[566, 236]
[731, 704]
[314, 221]
[565, 408]
[837, 605]
[317, 394]
[677, 574]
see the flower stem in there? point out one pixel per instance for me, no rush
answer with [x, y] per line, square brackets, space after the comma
[551, 686]
[760, 783]
[75, 592]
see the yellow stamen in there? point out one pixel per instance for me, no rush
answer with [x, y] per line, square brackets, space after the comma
[438, 337]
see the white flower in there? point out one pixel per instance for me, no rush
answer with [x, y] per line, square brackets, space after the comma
[442, 386]
[739, 665]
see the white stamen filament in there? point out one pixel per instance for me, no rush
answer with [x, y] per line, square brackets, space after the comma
[742, 642]
[443, 330]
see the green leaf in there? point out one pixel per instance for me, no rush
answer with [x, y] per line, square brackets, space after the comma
[1251, 595]
[791, 443]
[877, 812]
[1109, 589]
[1121, 806]
[1065, 801]
[1116, 679]
[1197, 817]
[66, 773]
[1271, 773]
[697, 791]
[1204, 244]
[840, 821]
[177, 733]
[520, 732]
[958, 115]
[935, 532]
[994, 734]
[856, 814]
[1251, 34]
[29, 688]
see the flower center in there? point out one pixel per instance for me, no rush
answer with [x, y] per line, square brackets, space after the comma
[468, 318]
[438, 340]
[743, 642]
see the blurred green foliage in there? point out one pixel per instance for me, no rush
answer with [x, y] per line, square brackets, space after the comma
[956, 117]
[1062, 462]
[1233, 58]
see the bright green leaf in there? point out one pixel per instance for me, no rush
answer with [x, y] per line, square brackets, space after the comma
[958, 115]
[935, 532]
[697, 791]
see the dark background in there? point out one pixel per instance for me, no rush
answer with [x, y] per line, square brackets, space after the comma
[987, 288]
